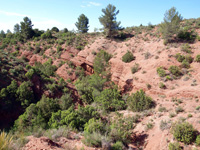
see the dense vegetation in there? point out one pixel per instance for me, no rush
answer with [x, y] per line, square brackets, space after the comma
[89, 104]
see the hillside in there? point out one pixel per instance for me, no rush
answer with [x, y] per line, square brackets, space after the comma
[74, 90]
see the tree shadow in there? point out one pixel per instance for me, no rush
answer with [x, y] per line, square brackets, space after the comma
[140, 140]
[128, 86]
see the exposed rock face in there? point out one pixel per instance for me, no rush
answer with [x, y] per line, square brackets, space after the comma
[149, 54]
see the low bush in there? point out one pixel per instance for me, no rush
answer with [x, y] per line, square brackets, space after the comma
[121, 129]
[55, 134]
[161, 72]
[94, 125]
[189, 58]
[174, 146]
[175, 70]
[92, 139]
[186, 48]
[179, 109]
[135, 68]
[164, 125]
[197, 58]
[128, 57]
[184, 132]
[139, 101]
[198, 140]
[117, 146]
[162, 85]
[185, 64]
[187, 35]
[179, 57]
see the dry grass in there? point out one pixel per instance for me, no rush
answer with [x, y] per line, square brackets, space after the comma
[5, 141]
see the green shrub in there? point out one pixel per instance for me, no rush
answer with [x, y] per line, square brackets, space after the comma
[197, 58]
[198, 140]
[175, 70]
[179, 57]
[184, 132]
[92, 139]
[65, 101]
[17, 47]
[117, 146]
[89, 87]
[162, 109]
[162, 85]
[135, 68]
[174, 146]
[186, 48]
[110, 100]
[37, 48]
[128, 57]
[55, 134]
[46, 35]
[121, 129]
[179, 109]
[185, 64]
[161, 72]
[101, 62]
[73, 118]
[189, 58]
[25, 94]
[187, 35]
[29, 74]
[168, 78]
[94, 125]
[139, 101]
[59, 48]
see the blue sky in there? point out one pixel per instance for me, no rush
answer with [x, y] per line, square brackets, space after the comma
[64, 13]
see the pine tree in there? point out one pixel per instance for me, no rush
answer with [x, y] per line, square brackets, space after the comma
[108, 20]
[17, 28]
[171, 24]
[82, 24]
[26, 28]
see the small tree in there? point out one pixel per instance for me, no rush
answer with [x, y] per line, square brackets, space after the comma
[82, 24]
[17, 28]
[171, 24]
[55, 29]
[2, 34]
[26, 28]
[108, 20]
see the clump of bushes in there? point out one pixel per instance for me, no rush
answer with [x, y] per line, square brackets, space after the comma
[161, 72]
[179, 57]
[187, 35]
[185, 64]
[175, 70]
[197, 58]
[92, 139]
[139, 101]
[198, 140]
[184, 132]
[186, 48]
[128, 57]
[189, 58]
